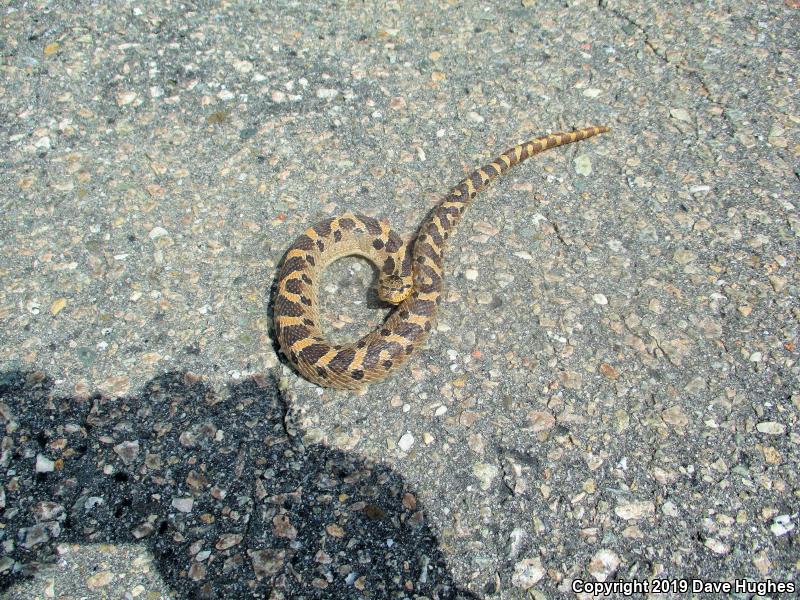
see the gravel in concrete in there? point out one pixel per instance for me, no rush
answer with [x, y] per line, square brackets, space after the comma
[611, 392]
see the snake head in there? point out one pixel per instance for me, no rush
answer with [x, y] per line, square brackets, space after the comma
[394, 288]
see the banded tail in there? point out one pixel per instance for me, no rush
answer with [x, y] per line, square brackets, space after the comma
[481, 177]
[449, 211]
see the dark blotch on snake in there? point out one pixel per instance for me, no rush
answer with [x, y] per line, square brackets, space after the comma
[293, 333]
[410, 331]
[424, 307]
[290, 265]
[434, 233]
[304, 243]
[289, 308]
[295, 286]
[342, 360]
[371, 224]
[394, 243]
[314, 352]
[323, 229]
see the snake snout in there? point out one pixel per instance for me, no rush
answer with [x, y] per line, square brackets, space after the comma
[394, 288]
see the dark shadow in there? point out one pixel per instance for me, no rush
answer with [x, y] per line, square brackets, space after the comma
[184, 470]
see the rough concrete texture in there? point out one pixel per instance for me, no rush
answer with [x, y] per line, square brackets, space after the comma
[611, 392]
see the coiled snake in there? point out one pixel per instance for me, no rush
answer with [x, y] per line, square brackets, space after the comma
[410, 278]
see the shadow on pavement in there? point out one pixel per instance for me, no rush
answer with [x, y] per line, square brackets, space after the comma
[222, 490]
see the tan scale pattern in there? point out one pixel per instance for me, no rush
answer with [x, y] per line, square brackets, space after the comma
[411, 277]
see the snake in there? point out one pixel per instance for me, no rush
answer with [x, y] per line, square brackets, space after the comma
[411, 274]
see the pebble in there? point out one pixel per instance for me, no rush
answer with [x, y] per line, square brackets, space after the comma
[228, 540]
[143, 530]
[540, 420]
[183, 504]
[327, 93]
[716, 546]
[125, 98]
[778, 283]
[527, 573]
[684, 257]
[782, 525]
[282, 527]
[571, 379]
[99, 580]
[609, 371]
[604, 564]
[771, 428]
[44, 464]
[197, 572]
[242, 66]
[516, 538]
[33, 536]
[405, 442]
[669, 509]
[675, 416]
[157, 232]
[127, 451]
[267, 563]
[471, 274]
[57, 306]
[600, 299]
[583, 165]
[48, 511]
[485, 474]
[681, 114]
[6, 563]
[635, 510]
[486, 228]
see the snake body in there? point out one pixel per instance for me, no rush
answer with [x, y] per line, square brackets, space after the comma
[411, 276]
